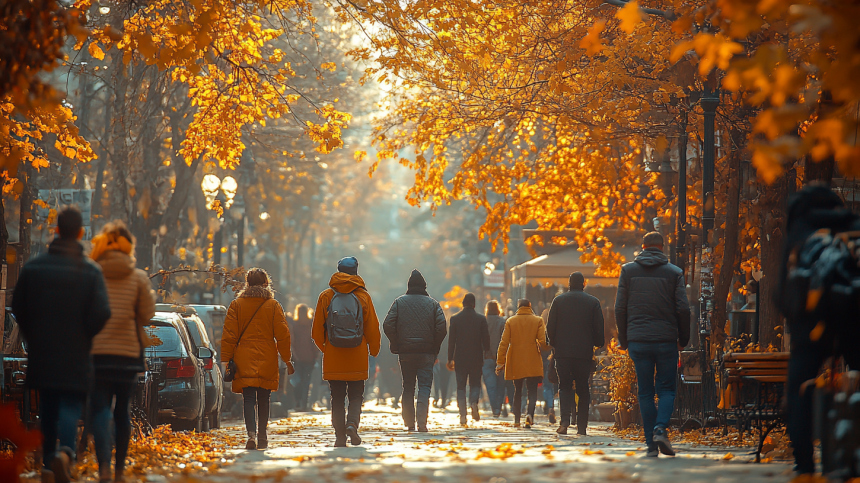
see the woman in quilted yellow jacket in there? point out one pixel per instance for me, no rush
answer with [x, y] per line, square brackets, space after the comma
[118, 348]
[519, 356]
[255, 332]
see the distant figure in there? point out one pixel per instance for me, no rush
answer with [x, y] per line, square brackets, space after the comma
[519, 356]
[653, 319]
[574, 330]
[118, 348]
[255, 332]
[305, 355]
[495, 383]
[346, 331]
[61, 303]
[416, 326]
[468, 340]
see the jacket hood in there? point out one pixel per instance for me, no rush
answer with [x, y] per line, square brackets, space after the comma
[116, 264]
[416, 284]
[345, 283]
[651, 257]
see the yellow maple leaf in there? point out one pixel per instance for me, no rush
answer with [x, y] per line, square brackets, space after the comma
[96, 51]
[630, 17]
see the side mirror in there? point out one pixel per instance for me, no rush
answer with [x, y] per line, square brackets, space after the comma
[204, 353]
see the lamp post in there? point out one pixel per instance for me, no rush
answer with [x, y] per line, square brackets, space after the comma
[223, 191]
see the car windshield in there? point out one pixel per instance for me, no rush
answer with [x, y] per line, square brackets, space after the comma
[165, 340]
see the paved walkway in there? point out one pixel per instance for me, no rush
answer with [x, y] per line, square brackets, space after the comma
[487, 451]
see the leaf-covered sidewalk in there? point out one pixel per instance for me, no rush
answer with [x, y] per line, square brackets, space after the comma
[487, 451]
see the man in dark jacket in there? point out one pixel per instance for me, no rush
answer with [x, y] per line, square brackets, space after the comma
[574, 328]
[653, 318]
[61, 303]
[415, 326]
[467, 343]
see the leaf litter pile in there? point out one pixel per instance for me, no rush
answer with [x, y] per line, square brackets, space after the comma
[171, 453]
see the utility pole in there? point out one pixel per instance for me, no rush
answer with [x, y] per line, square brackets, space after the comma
[681, 235]
[710, 100]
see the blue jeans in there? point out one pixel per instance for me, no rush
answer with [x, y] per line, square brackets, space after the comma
[495, 386]
[549, 389]
[416, 367]
[656, 366]
[101, 400]
[59, 412]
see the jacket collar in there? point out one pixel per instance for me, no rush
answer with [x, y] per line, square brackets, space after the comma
[525, 311]
[66, 248]
[256, 291]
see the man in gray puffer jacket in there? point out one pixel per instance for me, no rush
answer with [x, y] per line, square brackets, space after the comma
[415, 327]
[653, 318]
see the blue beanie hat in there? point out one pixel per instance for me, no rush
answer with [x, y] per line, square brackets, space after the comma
[348, 265]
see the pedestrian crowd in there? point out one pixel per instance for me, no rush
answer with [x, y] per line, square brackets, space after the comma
[83, 320]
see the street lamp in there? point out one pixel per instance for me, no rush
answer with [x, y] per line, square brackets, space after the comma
[224, 192]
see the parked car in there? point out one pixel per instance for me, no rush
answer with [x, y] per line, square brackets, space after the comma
[13, 372]
[213, 375]
[182, 388]
[213, 317]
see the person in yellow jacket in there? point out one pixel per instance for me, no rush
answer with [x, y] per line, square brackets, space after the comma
[519, 356]
[255, 332]
[345, 368]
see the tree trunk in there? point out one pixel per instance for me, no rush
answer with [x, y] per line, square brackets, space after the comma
[730, 240]
[26, 217]
[774, 199]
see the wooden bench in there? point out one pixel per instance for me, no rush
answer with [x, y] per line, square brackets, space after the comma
[752, 387]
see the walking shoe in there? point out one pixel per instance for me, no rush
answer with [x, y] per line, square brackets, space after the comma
[504, 411]
[352, 432]
[529, 421]
[562, 429]
[653, 452]
[476, 414]
[251, 444]
[410, 429]
[552, 419]
[463, 420]
[62, 464]
[263, 442]
[581, 432]
[496, 415]
[663, 443]
[422, 429]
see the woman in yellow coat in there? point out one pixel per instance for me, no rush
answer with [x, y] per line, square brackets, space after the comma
[519, 356]
[255, 332]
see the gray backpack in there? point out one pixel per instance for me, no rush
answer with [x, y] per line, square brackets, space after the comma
[344, 322]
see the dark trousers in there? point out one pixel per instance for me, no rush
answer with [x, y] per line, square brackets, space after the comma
[443, 383]
[59, 412]
[656, 365]
[416, 367]
[531, 386]
[256, 404]
[304, 372]
[341, 391]
[471, 375]
[574, 372]
[107, 393]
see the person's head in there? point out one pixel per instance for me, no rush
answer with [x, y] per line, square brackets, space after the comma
[70, 223]
[114, 236]
[576, 281]
[301, 312]
[348, 265]
[653, 240]
[416, 281]
[524, 303]
[469, 300]
[257, 277]
[492, 308]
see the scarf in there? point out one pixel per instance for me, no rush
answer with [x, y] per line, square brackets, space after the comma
[107, 242]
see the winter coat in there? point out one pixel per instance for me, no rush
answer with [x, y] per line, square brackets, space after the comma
[264, 337]
[575, 325]
[60, 303]
[468, 338]
[415, 324]
[522, 340]
[304, 349]
[339, 363]
[495, 325]
[132, 305]
[651, 303]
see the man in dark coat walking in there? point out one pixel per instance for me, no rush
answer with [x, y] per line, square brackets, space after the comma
[574, 328]
[653, 318]
[468, 340]
[416, 327]
[61, 303]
